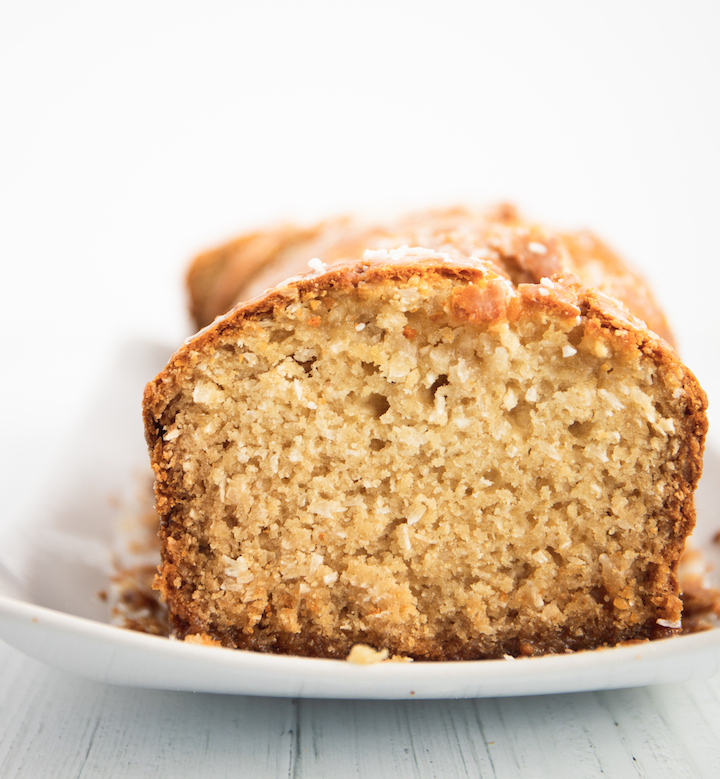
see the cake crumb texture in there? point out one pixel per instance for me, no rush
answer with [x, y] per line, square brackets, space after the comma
[425, 457]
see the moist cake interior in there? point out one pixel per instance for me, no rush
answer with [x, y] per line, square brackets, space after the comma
[376, 470]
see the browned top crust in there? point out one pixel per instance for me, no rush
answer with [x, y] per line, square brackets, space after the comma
[489, 297]
[517, 249]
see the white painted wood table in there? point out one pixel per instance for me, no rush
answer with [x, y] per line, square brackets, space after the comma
[54, 725]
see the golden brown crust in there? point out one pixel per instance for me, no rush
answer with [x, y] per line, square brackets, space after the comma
[216, 277]
[482, 296]
[610, 316]
[601, 268]
[519, 250]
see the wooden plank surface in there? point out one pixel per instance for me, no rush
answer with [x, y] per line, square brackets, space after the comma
[54, 725]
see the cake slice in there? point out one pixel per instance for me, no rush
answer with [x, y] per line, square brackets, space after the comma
[414, 451]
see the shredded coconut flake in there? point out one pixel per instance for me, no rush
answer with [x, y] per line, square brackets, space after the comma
[316, 560]
[402, 252]
[568, 351]
[611, 399]
[510, 400]
[361, 654]
[375, 254]
[416, 514]
[398, 254]
[666, 623]
[537, 248]
[601, 350]
[317, 265]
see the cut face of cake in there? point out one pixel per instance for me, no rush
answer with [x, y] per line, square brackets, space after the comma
[412, 452]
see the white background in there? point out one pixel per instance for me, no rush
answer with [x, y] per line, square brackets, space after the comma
[134, 134]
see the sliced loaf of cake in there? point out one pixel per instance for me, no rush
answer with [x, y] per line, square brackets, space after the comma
[424, 452]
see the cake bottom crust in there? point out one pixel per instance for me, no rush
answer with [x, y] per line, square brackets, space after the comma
[309, 643]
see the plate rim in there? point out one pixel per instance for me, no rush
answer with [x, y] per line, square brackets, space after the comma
[628, 665]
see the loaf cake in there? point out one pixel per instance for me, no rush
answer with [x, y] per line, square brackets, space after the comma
[428, 450]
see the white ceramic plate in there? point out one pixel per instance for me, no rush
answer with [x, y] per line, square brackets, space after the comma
[55, 559]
